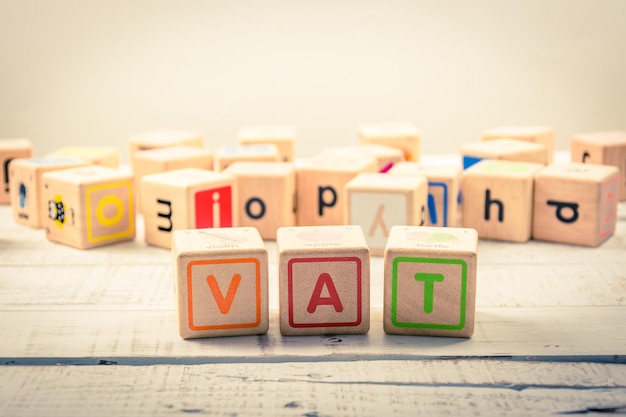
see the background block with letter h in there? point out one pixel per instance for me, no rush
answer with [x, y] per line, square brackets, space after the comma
[88, 206]
[323, 277]
[221, 282]
[11, 149]
[430, 281]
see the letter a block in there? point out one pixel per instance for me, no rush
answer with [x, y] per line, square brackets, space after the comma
[323, 277]
[576, 203]
[430, 281]
[9, 150]
[221, 282]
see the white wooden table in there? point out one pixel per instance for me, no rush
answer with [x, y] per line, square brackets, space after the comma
[94, 333]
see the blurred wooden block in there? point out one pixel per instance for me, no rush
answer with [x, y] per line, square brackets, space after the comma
[576, 203]
[403, 136]
[498, 199]
[267, 192]
[88, 206]
[324, 280]
[188, 198]
[9, 150]
[430, 281]
[25, 174]
[376, 202]
[443, 190]
[605, 148]
[283, 137]
[385, 156]
[226, 155]
[221, 282]
[539, 134]
[320, 183]
[107, 156]
[504, 149]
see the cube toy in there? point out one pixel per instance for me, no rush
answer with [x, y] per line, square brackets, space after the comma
[606, 148]
[226, 155]
[284, 137]
[505, 149]
[107, 156]
[543, 135]
[267, 195]
[163, 138]
[9, 150]
[576, 203]
[376, 202]
[430, 281]
[221, 282]
[188, 198]
[323, 280]
[88, 206]
[443, 189]
[498, 199]
[385, 156]
[27, 202]
[320, 183]
[403, 136]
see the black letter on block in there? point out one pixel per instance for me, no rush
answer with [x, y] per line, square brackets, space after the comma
[560, 205]
[489, 202]
[323, 203]
[167, 216]
[261, 211]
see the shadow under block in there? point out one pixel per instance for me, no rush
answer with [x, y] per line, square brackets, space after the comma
[188, 198]
[376, 202]
[11, 149]
[266, 195]
[498, 199]
[323, 280]
[443, 190]
[605, 148]
[88, 206]
[543, 135]
[386, 156]
[25, 174]
[320, 187]
[282, 136]
[505, 149]
[226, 155]
[107, 156]
[403, 136]
[576, 203]
[221, 282]
[430, 281]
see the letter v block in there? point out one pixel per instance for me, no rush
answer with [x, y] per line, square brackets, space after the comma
[323, 280]
[221, 282]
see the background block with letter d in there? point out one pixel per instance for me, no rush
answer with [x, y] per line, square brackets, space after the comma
[221, 282]
[323, 280]
[430, 281]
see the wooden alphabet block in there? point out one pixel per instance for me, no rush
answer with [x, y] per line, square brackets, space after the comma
[88, 206]
[443, 190]
[221, 282]
[27, 202]
[576, 203]
[605, 148]
[385, 156]
[188, 198]
[376, 202]
[266, 195]
[324, 283]
[430, 281]
[320, 185]
[505, 149]
[226, 155]
[498, 199]
[107, 156]
[284, 137]
[11, 149]
[403, 136]
[543, 135]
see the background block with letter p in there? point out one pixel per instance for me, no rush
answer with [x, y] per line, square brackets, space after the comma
[430, 281]
[403, 136]
[221, 282]
[11, 149]
[323, 280]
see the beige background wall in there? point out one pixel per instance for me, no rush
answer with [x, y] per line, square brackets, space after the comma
[94, 72]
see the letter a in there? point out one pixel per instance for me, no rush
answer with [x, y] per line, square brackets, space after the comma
[317, 299]
[224, 303]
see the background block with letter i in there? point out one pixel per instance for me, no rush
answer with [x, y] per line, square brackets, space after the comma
[498, 199]
[538, 134]
[323, 280]
[430, 281]
[188, 198]
[576, 203]
[376, 202]
[403, 136]
[11, 149]
[282, 136]
[108, 156]
[88, 206]
[505, 149]
[221, 282]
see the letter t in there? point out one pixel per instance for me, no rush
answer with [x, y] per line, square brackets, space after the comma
[429, 288]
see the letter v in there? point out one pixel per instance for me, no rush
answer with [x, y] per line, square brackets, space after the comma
[224, 303]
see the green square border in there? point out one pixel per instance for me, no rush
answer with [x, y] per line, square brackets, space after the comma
[394, 292]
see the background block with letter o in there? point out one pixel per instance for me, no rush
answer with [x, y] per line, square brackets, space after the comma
[400, 135]
[11, 149]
